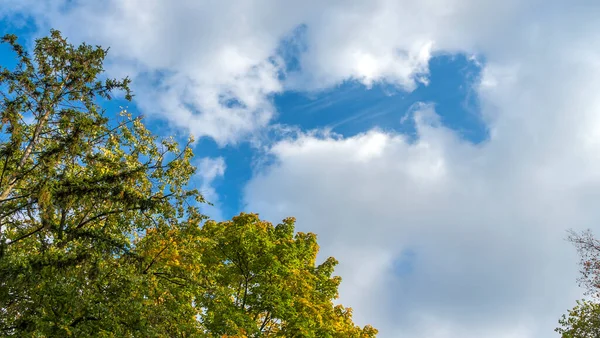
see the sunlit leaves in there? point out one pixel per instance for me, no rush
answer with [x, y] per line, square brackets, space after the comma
[264, 281]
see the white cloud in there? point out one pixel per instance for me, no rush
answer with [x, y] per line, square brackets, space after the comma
[214, 63]
[206, 55]
[488, 243]
[486, 222]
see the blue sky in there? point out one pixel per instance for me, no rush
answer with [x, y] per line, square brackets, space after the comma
[352, 108]
[439, 149]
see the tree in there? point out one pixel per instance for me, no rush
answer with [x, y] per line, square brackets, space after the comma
[584, 319]
[74, 190]
[100, 235]
[263, 282]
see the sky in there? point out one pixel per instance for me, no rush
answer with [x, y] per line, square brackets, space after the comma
[440, 149]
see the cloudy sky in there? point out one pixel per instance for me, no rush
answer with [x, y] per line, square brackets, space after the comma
[439, 149]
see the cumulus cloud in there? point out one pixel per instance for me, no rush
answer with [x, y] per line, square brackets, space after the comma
[439, 237]
[212, 67]
[486, 243]
[207, 67]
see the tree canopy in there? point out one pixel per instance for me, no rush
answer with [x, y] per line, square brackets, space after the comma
[264, 282]
[101, 235]
[584, 319]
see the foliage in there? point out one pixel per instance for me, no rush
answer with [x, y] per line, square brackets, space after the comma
[100, 235]
[588, 248]
[74, 190]
[263, 282]
[583, 321]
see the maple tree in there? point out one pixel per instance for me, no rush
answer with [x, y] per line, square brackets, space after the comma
[101, 236]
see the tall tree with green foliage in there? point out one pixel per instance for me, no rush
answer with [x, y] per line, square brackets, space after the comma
[100, 235]
[74, 190]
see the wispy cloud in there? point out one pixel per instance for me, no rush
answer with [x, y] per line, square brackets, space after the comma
[209, 170]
